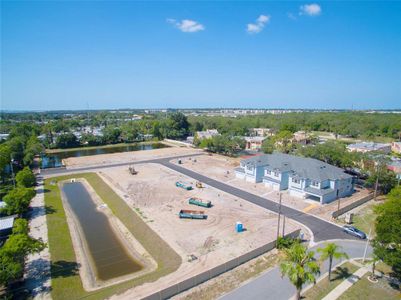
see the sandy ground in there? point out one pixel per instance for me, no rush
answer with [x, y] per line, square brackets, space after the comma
[133, 156]
[86, 270]
[153, 195]
[222, 168]
[37, 267]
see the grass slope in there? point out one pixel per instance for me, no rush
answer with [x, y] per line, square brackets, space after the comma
[66, 282]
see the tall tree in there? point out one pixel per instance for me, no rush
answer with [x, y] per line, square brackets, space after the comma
[330, 251]
[16, 248]
[17, 200]
[5, 158]
[299, 266]
[387, 243]
[25, 178]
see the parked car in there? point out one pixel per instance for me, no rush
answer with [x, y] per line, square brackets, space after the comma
[354, 231]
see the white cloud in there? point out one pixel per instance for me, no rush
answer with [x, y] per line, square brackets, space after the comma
[291, 16]
[310, 9]
[187, 25]
[258, 26]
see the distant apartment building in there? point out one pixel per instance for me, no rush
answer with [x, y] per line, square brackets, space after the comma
[364, 147]
[396, 147]
[209, 133]
[261, 132]
[302, 177]
[254, 143]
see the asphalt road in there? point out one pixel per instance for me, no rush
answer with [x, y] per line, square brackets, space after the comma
[271, 286]
[322, 230]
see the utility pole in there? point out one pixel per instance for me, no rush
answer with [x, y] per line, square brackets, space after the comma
[377, 183]
[338, 205]
[278, 219]
[283, 233]
[366, 245]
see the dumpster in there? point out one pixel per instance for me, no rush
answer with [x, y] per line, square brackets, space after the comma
[192, 214]
[199, 202]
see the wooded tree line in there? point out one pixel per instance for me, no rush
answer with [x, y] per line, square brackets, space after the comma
[353, 124]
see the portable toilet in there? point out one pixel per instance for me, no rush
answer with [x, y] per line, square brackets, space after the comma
[238, 227]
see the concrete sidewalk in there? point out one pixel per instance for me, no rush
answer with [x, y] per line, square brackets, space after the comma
[346, 284]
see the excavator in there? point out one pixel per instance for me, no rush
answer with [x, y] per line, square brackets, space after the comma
[132, 170]
[199, 185]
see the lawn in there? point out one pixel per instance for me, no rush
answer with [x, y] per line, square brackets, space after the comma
[66, 282]
[323, 287]
[365, 218]
[364, 289]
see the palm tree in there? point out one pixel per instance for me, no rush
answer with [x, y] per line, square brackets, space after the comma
[299, 266]
[331, 251]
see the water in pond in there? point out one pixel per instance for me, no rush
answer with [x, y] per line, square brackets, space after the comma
[54, 160]
[110, 256]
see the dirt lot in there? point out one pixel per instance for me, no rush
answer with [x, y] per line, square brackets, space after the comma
[74, 162]
[222, 168]
[153, 194]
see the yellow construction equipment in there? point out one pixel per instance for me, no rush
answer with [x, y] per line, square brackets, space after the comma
[199, 185]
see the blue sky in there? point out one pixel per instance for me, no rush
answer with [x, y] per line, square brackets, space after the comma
[74, 55]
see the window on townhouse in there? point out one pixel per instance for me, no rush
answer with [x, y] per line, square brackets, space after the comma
[268, 172]
[314, 183]
[276, 173]
[295, 180]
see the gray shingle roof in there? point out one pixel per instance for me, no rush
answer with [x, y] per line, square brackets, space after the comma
[7, 222]
[301, 167]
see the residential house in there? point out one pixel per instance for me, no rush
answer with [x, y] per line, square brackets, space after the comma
[364, 147]
[396, 147]
[254, 143]
[302, 177]
[209, 133]
[302, 137]
[6, 226]
[395, 166]
[261, 132]
[3, 136]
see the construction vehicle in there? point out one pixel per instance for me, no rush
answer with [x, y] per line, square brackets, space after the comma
[199, 202]
[132, 170]
[183, 185]
[199, 185]
[192, 214]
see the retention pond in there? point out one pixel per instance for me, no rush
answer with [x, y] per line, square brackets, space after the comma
[109, 255]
